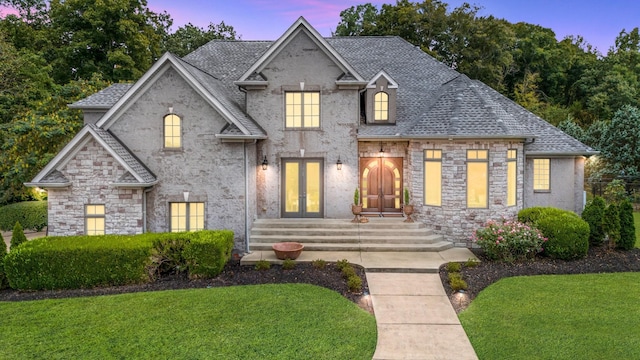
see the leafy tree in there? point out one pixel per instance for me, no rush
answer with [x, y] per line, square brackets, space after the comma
[620, 142]
[117, 39]
[17, 236]
[190, 37]
[611, 224]
[358, 20]
[572, 129]
[593, 214]
[627, 227]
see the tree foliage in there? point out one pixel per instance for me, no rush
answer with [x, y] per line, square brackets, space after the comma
[190, 37]
[627, 227]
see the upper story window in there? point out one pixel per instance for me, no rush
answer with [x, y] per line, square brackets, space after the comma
[302, 110]
[172, 131]
[541, 175]
[381, 106]
[94, 219]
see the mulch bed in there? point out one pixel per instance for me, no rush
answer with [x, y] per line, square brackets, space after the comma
[598, 260]
[232, 274]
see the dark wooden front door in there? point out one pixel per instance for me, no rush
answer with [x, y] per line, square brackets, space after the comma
[381, 184]
[302, 184]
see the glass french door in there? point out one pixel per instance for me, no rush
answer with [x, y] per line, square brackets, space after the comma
[381, 184]
[302, 184]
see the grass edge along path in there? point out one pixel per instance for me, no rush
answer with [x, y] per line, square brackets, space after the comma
[587, 316]
[282, 321]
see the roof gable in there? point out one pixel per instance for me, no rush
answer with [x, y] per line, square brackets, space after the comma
[301, 25]
[204, 84]
[137, 174]
[392, 83]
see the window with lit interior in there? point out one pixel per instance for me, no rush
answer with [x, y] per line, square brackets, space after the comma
[477, 178]
[94, 217]
[512, 176]
[172, 131]
[187, 216]
[302, 110]
[381, 106]
[433, 177]
[541, 175]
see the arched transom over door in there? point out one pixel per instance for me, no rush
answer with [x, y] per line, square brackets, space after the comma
[381, 184]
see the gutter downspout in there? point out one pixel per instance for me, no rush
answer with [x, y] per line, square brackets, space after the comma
[246, 199]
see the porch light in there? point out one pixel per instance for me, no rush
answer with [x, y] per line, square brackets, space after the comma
[339, 163]
[381, 150]
[265, 163]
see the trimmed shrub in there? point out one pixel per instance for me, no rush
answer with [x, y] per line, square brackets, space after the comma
[32, 215]
[611, 224]
[263, 265]
[567, 236]
[341, 264]
[17, 237]
[348, 271]
[627, 227]
[88, 261]
[207, 252]
[288, 264]
[354, 283]
[319, 263]
[3, 252]
[593, 214]
[509, 240]
[615, 191]
[471, 263]
[79, 262]
[533, 214]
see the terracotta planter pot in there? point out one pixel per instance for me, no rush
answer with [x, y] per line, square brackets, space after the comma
[287, 250]
[408, 211]
[356, 210]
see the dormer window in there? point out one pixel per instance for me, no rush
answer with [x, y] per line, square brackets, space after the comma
[381, 106]
[172, 132]
[379, 101]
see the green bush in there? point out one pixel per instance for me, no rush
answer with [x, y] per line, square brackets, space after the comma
[453, 267]
[3, 252]
[263, 265]
[471, 263]
[533, 214]
[207, 252]
[348, 271]
[17, 236]
[31, 214]
[611, 224]
[615, 191]
[319, 263]
[627, 227]
[89, 261]
[78, 262]
[341, 264]
[354, 283]
[593, 214]
[288, 264]
[567, 236]
[456, 282]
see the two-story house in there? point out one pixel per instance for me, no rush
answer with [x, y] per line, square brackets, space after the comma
[243, 130]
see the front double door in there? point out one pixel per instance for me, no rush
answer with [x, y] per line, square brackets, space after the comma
[381, 184]
[302, 184]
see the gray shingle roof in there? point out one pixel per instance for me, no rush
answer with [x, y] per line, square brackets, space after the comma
[103, 99]
[433, 100]
[116, 147]
[54, 177]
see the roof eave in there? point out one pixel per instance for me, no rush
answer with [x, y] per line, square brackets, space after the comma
[47, 185]
[560, 153]
[447, 137]
[134, 185]
[240, 137]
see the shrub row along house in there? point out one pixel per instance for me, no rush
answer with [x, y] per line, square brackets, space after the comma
[242, 130]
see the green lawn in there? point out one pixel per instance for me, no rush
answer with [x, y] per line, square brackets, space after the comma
[289, 321]
[593, 316]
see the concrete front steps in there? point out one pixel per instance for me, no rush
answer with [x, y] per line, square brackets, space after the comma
[378, 235]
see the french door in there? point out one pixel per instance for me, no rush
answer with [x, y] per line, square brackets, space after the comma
[381, 184]
[302, 184]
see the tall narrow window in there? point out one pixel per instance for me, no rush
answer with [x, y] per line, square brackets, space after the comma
[512, 176]
[381, 106]
[433, 177]
[187, 216]
[477, 178]
[302, 109]
[172, 132]
[541, 175]
[94, 219]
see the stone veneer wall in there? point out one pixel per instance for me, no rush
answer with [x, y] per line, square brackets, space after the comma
[91, 171]
[453, 218]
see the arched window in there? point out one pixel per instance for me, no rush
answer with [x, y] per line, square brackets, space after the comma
[172, 131]
[381, 106]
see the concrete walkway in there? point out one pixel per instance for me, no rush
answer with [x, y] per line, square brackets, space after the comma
[414, 316]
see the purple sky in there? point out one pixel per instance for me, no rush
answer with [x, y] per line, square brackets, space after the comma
[599, 22]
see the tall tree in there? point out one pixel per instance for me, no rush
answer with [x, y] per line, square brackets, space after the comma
[190, 37]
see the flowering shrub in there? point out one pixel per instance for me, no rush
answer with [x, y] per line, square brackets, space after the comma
[509, 240]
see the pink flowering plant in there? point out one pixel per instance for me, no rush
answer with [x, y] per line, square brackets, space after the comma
[509, 240]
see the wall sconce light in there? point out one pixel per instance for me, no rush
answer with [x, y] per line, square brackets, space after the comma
[381, 150]
[265, 163]
[339, 163]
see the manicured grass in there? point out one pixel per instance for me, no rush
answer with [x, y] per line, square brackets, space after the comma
[288, 321]
[636, 222]
[593, 316]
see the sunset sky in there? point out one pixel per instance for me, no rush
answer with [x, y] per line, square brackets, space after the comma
[599, 22]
